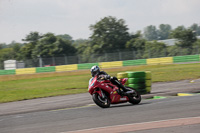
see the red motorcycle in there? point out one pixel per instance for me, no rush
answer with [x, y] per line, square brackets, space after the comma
[105, 93]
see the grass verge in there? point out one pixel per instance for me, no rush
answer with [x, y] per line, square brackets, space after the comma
[22, 87]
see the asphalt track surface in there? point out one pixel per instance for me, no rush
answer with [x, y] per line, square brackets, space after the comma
[184, 110]
[78, 113]
[69, 101]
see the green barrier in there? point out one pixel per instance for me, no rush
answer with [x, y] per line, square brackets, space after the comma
[148, 75]
[191, 58]
[177, 59]
[136, 74]
[7, 72]
[186, 58]
[137, 86]
[140, 80]
[134, 62]
[87, 65]
[45, 69]
[136, 80]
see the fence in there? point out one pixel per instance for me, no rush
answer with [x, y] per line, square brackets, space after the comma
[107, 57]
[120, 55]
[150, 61]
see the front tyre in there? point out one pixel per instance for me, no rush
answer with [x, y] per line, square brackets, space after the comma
[134, 98]
[103, 103]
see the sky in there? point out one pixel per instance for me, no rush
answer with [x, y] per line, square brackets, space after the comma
[73, 17]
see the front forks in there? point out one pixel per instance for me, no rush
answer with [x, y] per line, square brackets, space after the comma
[102, 94]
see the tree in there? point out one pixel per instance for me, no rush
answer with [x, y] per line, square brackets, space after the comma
[78, 42]
[2, 45]
[64, 47]
[150, 33]
[26, 51]
[164, 31]
[186, 37]
[32, 37]
[65, 37]
[155, 49]
[16, 50]
[6, 54]
[109, 34]
[196, 29]
[177, 51]
[50, 45]
[196, 47]
[137, 44]
[45, 46]
[31, 41]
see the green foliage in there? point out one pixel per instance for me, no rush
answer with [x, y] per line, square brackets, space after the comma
[155, 49]
[176, 50]
[2, 45]
[137, 45]
[150, 33]
[48, 45]
[185, 36]
[65, 37]
[196, 29]
[45, 46]
[16, 50]
[26, 51]
[196, 47]
[78, 42]
[6, 54]
[32, 37]
[164, 31]
[109, 34]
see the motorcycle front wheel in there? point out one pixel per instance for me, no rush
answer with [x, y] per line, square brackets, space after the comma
[101, 102]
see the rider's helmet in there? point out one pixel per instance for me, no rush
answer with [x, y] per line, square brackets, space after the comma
[95, 70]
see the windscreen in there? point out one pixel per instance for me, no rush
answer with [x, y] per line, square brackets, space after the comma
[91, 80]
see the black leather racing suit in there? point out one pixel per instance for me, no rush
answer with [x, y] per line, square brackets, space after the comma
[113, 80]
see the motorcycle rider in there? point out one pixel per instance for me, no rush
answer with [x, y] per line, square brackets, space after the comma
[95, 70]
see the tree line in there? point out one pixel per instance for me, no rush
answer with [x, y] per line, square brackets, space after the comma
[108, 35]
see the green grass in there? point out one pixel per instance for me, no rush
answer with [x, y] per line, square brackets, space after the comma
[22, 87]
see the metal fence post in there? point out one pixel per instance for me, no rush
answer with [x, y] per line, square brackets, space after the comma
[149, 52]
[79, 59]
[53, 59]
[120, 55]
[166, 52]
[40, 61]
[65, 59]
[106, 57]
[133, 54]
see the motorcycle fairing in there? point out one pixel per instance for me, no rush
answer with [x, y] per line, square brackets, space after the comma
[107, 86]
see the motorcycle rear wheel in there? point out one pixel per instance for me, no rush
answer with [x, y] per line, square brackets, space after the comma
[103, 103]
[134, 98]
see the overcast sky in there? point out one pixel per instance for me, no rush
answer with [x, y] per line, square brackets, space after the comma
[19, 17]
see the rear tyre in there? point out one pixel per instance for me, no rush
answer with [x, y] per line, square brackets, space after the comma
[134, 98]
[103, 103]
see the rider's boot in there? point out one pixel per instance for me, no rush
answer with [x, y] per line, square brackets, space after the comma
[121, 93]
[126, 90]
[120, 85]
